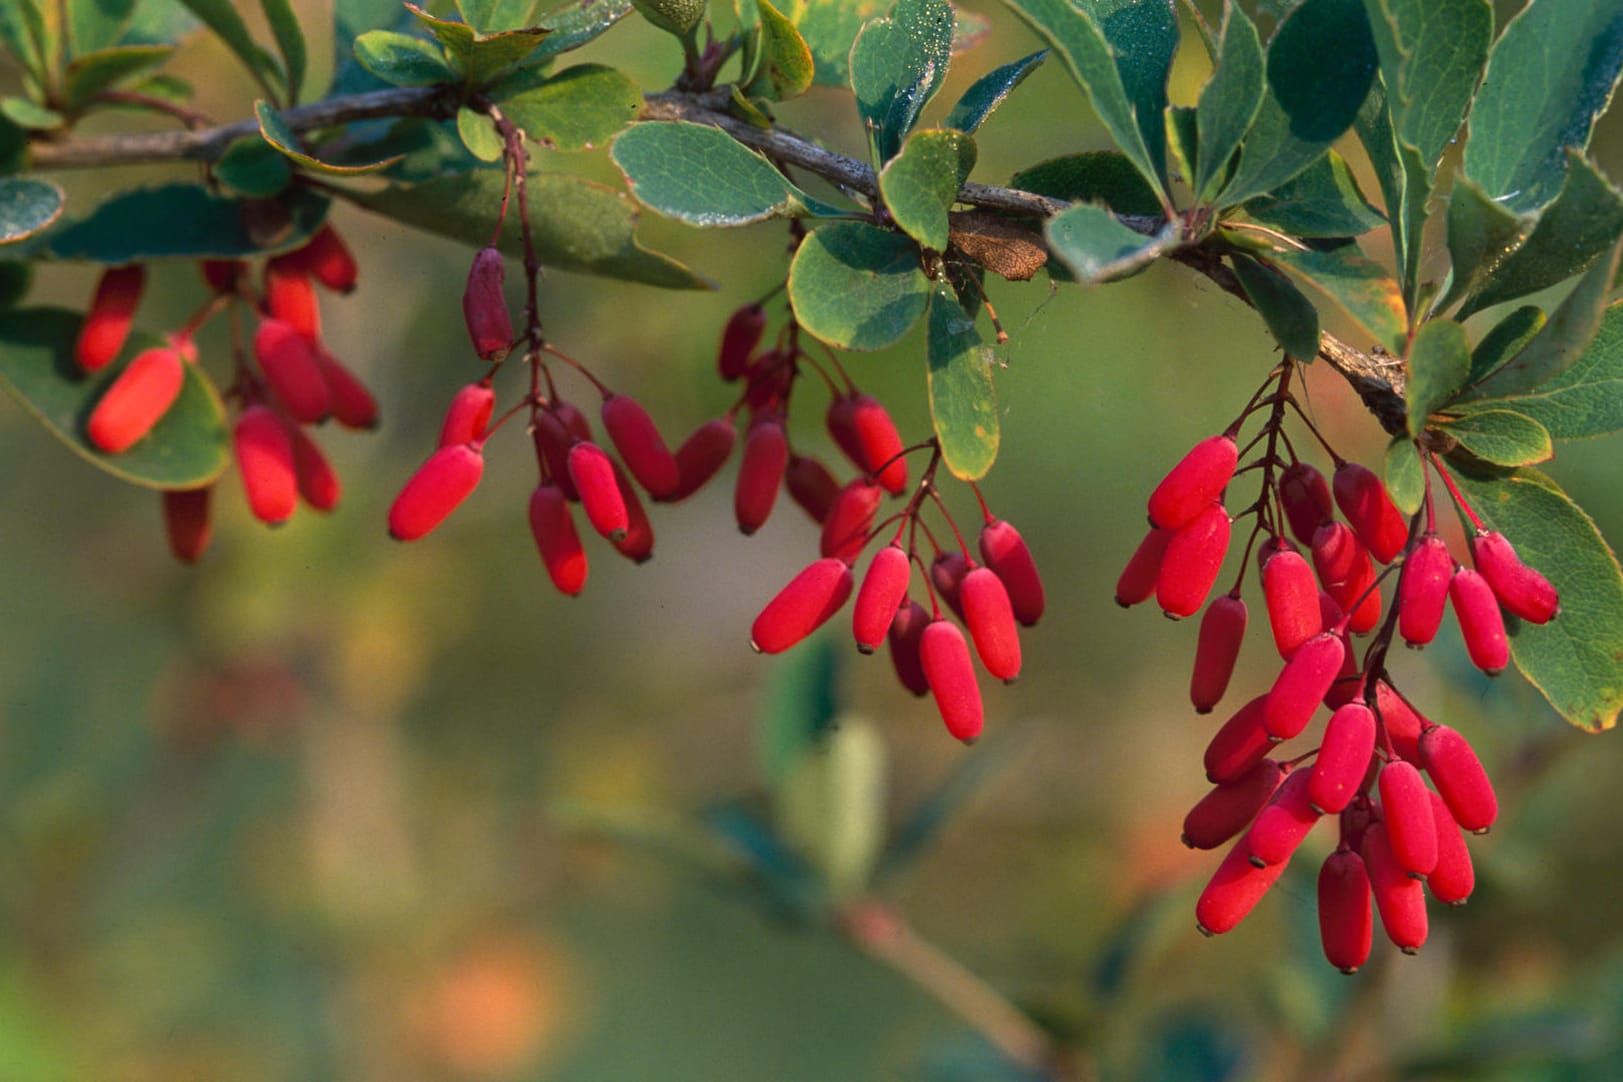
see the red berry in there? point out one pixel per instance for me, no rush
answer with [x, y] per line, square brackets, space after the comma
[468, 415]
[327, 258]
[484, 306]
[317, 480]
[811, 486]
[802, 606]
[947, 573]
[1346, 912]
[1345, 570]
[944, 655]
[638, 543]
[766, 455]
[188, 522]
[884, 588]
[1457, 772]
[1005, 552]
[1343, 759]
[1239, 745]
[556, 430]
[641, 446]
[1283, 824]
[1453, 879]
[136, 400]
[553, 527]
[768, 380]
[290, 368]
[703, 454]
[352, 404]
[264, 453]
[112, 310]
[1403, 724]
[290, 296]
[1363, 500]
[991, 622]
[1194, 483]
[1399, 897]
[1293, 600]
[1192, 561]
[1233, 891]
[862, 427]
[437, 488]
[1423, 590]
[739, 339]
[845, 534]
[1481, 623]
[1137, 581]
[224, 276]
[1349, 682]
[1302, 685]
[906, 633]
[1305, 495]
[1222, 630]
[592, 472]
[1521, 590]
[1225, 811]
[1406, 807]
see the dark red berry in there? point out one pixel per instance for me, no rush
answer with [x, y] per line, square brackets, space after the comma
[1305, 495]
[905, 635]
[703, 454]
[1222, 630]
[1239, 745]
[1399, 897]
[1453, 879]
[845, 533]
[1403, 724]
[947, 573]
[318, 481]
[738, 340]
[352, 404]
[112, 310]
[811, 486]
[1376, 519]
[328, 260]
[641, 447]
[766, 455]
[1225, 811]
[1346, 912]
[484, 306]
[1137, 581]
[188, 522]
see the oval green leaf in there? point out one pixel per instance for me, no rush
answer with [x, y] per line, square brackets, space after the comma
[27, 206]
[897, 65]
[1322, 200]
[282, 137]
[1229, 101]
[1097, 247]
[402, 60]
[1439, 361]
[856, 286]
[1502, 437]
[185, 221]
[1290, 316]
[701, 175]
[1587, 399]
[921, 183]
[989, 91]
[576, 109]
[785, 69]
[963, 399]
[1359, 285]
[1405, 475]
[479, 58]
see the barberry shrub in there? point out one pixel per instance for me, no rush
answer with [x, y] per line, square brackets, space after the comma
[1458, 351]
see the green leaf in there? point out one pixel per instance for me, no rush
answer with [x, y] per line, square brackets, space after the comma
[576, 109]
[30, 115]
[748, 14]
[16, 277]
[1551, 73]
[1230, 99]
[1562, 341]
[1405, 475]
[1080, 41]
[786, 67]
[801, 702]
[479, 58]
[284, 25]
[1097, 247]
[701, 175]
[1577, 228]
[578, 225]
[91, 73]
[94, 25]
[276, 132]
[1508, 338]
[921, 183]
[1321, 201]
[253, 167]
[186, 449]
[488, 15]
[1406, 186]
[831, 806]
[187, 221]
[897, 65]
[1439, 361]
[221, 17]
[1502, 437]
[1359, 286]
[403, 60]
[678, 17]
[27, 206]
[1573, 659]
[578, 23]
[1183, 134]
[830, 28]
[160, 22]
[1432, 53]
[989, 91]
[1092, 176]
[479, 135]
[1290, 316]
[856, 286]
[963, 399]
[1585, 400]
[1143, 35]
[1481, 235]
[1321, 62]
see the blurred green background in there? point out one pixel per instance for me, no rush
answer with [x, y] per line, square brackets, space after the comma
[328, 807]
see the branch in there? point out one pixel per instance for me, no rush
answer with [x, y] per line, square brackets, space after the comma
[1378, 379]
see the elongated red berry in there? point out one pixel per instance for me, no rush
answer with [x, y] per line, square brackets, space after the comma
[1239, 745]
[1222, 630]
[1302, 684]
[1005, 552]
[593, 475]
[1225, 811]
[947, 573]
[136, 400]
[1346, 911]
[1454, 877]
[292, 371]
[641, 447]
[905, 636]
[112, 310]
[318, 481]
[468, 415]
[1305, 495]
[845, 533]
[484, 306]
[437, 488]
[1343, 759]
[1233, 891]
[1193, 558]
[811, 486]
[1293, 600]
[1402, 722]
[1137, 581]
[352, 404]
[329, 261]
[883, 589]
[1197, 481]
[738, 340]
[951, 675]
[1348, 685]
[1520, 589]
[638, 543]
[1423, 590]
[766, 455]
[1399, 897]
[1481, 623]
[556, 539]
[556, 430]
[802, 606]
[1457, 772]
[1284, 823]
[1406, 807]
[1376, 519]
[1347, 574]
[702, 455]
[188, 521]
[991, 622]
[224, 276]
[264, 452]
[290, 296]
[862, 427]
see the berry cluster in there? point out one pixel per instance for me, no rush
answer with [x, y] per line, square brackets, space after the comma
[1397, 837]
[287, 383]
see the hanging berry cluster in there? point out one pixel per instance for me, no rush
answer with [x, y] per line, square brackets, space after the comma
[1397, 837]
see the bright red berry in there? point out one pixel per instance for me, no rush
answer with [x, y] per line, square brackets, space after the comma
[352, 404]
[592, 472]
[802, 606]
[1454, 767]
[883, 589]
[1239, 745]
[905, 635]
[553, 527]
[1233, 891]
[1192, 560]
[437, 488]
[468, 415]
[188, 522]
[944, 655]
[1293, 600]
[1481, 623]
[290, 296]
[1225, 811]
[264, 452]
[1454, 877]
[1305, 495]
[136, 400]
[1222, 630]
[292, 371]
[1347, 574]
[703, 454]
[328, 260]
[112, 310]
[766, 456]
[1403, 724]
[555, 430]
[1343, 759]
[1196, 482]
[1399, 897]
[811, 486]
[1137, 581]
[1346, 912]
[1423, 590]
[738, 340]
[641, 447]
[317, 480]
[1406, 807]
[1005, 552]
[1302, 685]
[1364, 501]
[1283, 824]
[991, 622]
[845, 533]
[1520, 589]
[862, 427]
[484, 306]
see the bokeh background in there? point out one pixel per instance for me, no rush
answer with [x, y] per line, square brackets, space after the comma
[329, 807]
